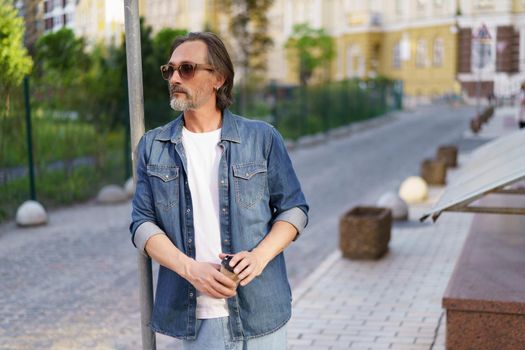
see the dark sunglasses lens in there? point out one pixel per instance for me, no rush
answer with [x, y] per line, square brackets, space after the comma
[167, 72]
[186, 71]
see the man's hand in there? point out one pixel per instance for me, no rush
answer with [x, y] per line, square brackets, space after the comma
[248, 265]
[207, 279]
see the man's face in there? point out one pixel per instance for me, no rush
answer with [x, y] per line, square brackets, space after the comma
[192, 93]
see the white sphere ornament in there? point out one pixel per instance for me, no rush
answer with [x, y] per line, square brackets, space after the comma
[111, 194]
[31, 213]
[413, 190]
[396, 204]
[129, 187]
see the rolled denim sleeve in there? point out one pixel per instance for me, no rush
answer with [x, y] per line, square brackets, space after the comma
[294, 216]
[286, 197]
[143, 233]
[143, 218]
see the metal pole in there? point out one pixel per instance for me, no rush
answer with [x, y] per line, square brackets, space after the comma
[29, 140]
[136, 109]
[478, 85]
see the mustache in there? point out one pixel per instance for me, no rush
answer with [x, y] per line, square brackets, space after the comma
[175, 88]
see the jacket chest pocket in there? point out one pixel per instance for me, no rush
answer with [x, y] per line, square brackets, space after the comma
[164, 185]
[250, 181]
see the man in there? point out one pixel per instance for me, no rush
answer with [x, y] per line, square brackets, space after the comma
[212, 184]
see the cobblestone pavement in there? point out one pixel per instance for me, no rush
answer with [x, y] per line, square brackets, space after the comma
[73, 283]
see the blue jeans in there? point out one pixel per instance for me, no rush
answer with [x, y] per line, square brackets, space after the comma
[214, 334]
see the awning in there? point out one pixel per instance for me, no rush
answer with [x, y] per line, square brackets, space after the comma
[492, 168]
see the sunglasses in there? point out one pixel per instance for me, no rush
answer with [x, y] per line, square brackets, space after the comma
[186, 70]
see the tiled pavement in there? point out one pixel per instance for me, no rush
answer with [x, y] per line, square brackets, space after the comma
[392, 303]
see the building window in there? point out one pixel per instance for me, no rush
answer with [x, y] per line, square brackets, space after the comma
[438, 52]
[421, 53]
[68, 19]
[354, 62]
[396, 55]
[49, 23]
[349, 62]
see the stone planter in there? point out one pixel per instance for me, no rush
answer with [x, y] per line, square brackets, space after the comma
[448, 154]
[434, 171]
[364, 232]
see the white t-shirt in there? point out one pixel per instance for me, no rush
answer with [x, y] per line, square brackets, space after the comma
[203, 155]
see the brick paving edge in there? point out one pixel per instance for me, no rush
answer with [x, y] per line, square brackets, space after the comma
[305, 285]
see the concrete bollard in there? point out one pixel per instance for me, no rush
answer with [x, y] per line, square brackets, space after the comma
[413, 190]
[31, 213]
[129, 187]
[112, 194]
[396, 204]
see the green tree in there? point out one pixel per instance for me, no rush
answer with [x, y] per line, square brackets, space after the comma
[312, 48]
[102, 93]
[162, 42]
[15, 62]
[61, 66]
[249, 28]
[159, 55]
[61, 52]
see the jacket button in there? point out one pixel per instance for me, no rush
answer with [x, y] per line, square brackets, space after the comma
[191, 295]
[189, 240]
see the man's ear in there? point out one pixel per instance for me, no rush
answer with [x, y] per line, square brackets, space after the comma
[219, 80]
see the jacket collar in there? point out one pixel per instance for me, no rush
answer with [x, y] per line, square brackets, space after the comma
[173, 130]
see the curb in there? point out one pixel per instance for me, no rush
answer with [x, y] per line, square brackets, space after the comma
[307, 284]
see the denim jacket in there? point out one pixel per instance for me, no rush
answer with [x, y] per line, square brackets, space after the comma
[257, 186]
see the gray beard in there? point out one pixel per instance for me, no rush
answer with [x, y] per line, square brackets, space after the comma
[180, 105]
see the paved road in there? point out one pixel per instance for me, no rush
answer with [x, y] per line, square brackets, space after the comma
[73, 283]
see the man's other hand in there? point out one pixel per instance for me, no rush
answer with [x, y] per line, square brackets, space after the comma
[248, 265]
[207, 279]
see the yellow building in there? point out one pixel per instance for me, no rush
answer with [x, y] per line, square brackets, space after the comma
[411, 41]
[424, 58]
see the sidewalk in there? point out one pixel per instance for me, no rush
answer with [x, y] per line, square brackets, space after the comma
[395, 302]
[392, 303]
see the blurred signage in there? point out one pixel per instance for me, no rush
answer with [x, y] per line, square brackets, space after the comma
[481, 47]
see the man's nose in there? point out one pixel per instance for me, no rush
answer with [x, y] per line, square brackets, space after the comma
[175, 77]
